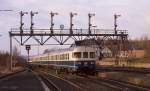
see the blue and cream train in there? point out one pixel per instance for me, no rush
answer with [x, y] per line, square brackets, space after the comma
[76, 59]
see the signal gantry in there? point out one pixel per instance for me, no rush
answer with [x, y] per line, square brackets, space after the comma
[62, 36]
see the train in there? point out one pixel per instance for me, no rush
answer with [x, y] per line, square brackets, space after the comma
[79, 59]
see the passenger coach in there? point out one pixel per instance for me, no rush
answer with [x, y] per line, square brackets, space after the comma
[76, 59]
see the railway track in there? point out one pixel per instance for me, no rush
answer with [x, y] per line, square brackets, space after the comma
[84, 84]
[59, 84]
[50, 84]
[91, 84]
[114, 84]
[125, 86]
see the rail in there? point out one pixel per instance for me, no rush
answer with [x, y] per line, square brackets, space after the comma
[127, 86]
[67, 81]
[53, 86]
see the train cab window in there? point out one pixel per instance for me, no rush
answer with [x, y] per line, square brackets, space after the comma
[77, 55]
[85, 54]
[92, 54]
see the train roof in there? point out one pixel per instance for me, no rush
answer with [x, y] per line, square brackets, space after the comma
[71, 49]
[77, 48]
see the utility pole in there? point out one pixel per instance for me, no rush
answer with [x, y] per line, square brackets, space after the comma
[10, 65]
[71, 21]
[28, 48]
[31, 27]
[115, 22]
[89, 17]
[52, 23]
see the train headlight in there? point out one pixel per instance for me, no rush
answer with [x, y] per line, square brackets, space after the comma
[85, 63]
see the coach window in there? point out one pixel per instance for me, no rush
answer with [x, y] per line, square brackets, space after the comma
[68, 56]
[77, 55]
[63, 56]
[52, 57]
[92, 55]
[45, 58]
[85, 54]
[56, 57]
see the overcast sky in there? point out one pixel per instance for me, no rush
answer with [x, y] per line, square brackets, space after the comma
[135, 15]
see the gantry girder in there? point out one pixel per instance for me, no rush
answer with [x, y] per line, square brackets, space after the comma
[61, 36]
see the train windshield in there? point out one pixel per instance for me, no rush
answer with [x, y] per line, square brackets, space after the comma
[85, 54]
[92, 54]
[77, 55]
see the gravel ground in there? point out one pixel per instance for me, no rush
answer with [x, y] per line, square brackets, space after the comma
[87, 84]
[84, 83]
[140, 79]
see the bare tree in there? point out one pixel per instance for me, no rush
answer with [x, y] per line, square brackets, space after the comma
[15, 51]
[15, 55]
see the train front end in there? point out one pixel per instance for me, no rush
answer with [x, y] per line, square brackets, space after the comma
[85, 60]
